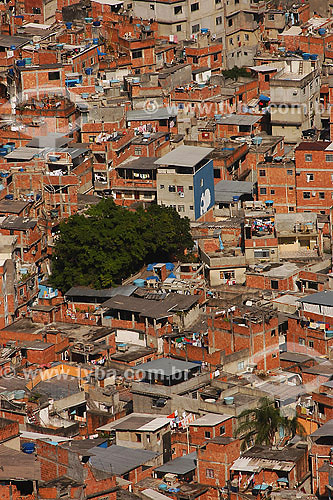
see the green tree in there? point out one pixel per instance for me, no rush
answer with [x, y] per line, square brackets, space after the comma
[109, 243]
[260, 425]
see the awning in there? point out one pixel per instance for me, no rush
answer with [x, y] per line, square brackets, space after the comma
[264, 98]
[253, 103]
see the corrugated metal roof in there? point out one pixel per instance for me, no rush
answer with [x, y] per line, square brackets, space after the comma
[144, 115]
[180, 465]
[118, 460]
[321, 298]
[153, 495]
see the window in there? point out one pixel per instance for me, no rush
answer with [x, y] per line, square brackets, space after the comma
[262, 173]
[178, 9]
[181, 208]
[179, 27]
[329, 158]
[308, 157]
[247, 38]
[191, 207]
[136, 54]
[291, 209]
[230, 22]
[141, 336]
[194, 6]
[272, 191]
[195, 28]
[274, 355]
[137, 151]
[301, 341]
[222, 430]
[172, 189]
[240, 365]
[273, 333]
[309, 177]
[54, 75]
[321, 195]
[207, 434]
[263, 190]
[215, 57]
[210, 473]
[190, 188]
[290, 188]
[267, 77]
[311, 344]
[289, 172]
[271, 17]
[261, 254]
[138, 438]
[306, 195]
[161, 186]
[218, 20]
[274, 284]
[231, 42]
[152, 6]
[218, 1]
[201, 182]
[36, 10]
[227, 275]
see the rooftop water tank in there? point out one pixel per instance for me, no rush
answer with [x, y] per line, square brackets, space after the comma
[322, 31]
[229, 400]
[28, 448]
[69, 25]
[257, 140]
[139, 283]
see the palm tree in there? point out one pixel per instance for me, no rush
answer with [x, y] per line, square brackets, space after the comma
[293, 426]
[260, 425]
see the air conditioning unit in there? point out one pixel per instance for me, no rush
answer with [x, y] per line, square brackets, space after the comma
[182, 195]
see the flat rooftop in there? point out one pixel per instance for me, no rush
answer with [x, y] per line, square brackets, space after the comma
[185, 156]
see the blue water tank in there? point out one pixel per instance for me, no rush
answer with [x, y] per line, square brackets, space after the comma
[235, 198]
[96, 23]
[322, 31]
[204, 30]
[306, 56]
[28, 448]
[69, 25]
[88, 71]
[12, 47]
[20, 62]
[88, 19]
[139, 283]
[313, 57]
[257, 140]
[9, 197]
[95, 41]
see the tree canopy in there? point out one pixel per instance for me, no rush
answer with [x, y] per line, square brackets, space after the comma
[261, 425]
[109, 243]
